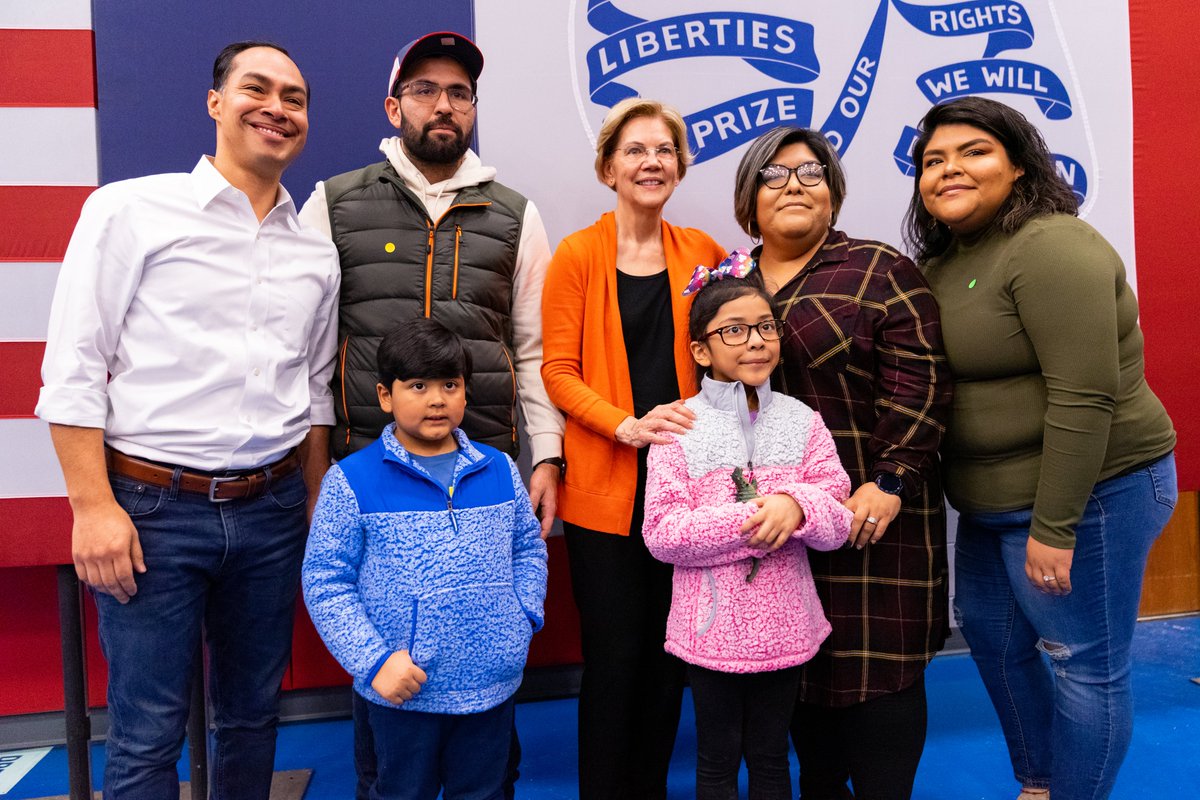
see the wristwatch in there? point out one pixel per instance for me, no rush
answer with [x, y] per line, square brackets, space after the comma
[556, 461]
[890, 483]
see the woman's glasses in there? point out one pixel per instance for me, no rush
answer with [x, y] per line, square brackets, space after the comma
[776, 176]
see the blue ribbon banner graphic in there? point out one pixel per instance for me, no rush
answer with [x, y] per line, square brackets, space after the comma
[851, 105]
[1067, 168]
[998, 76]
[1007, 24]
[903, 152]
[777, 47]
[718, 129]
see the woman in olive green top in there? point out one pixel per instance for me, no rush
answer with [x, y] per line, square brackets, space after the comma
[1058, 456]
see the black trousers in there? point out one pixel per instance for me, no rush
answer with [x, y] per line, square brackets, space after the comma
[875, 745]
[631, 690]
[743, 716]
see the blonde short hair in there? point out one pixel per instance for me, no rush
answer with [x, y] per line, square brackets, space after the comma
[629, 109]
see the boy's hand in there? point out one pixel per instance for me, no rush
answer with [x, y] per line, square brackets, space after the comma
[777, 518]
[399, 678]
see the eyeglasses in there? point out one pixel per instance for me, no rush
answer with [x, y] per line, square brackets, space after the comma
[776, 176]
[636, 152]
[738, 333]
[461, 98]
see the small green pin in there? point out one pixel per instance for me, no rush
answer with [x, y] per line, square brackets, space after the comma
[971, 285]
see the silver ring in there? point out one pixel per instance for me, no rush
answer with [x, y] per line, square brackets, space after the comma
[872, 520]
[1048, 578]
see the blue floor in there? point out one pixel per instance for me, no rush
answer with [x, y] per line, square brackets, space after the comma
[964, 757]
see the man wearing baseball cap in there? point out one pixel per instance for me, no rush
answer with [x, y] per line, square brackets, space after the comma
[429, 232]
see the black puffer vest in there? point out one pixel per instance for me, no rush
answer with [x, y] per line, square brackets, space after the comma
[398, 264]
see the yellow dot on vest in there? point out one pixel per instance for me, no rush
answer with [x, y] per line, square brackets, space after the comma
[390, 247]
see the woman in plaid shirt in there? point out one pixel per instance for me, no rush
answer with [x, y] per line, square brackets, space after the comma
[863, 347]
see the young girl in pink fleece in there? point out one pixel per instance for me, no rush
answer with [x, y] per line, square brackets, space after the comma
[734, 503]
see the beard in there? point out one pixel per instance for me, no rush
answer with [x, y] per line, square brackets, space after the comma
[423, 147]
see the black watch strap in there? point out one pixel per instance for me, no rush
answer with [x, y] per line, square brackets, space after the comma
[557, 461]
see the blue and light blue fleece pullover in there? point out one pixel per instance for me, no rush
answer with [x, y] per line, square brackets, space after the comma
[456, 576]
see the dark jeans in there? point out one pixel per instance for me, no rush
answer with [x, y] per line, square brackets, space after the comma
[366, 767]
[632, 689]
[232, 569]
[420, 754]
[876, 745]
[743, 715]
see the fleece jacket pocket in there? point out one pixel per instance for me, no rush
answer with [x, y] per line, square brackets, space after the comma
[471, 637]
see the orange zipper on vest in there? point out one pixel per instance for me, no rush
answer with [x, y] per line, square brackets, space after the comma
[429, 272]
[457, 242]
[345, 405]
[513, 372]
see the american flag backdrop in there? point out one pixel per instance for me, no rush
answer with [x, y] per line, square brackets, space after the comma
[47, 170]
[48, 166]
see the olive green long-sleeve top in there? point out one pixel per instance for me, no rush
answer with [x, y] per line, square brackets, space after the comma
[1050, 396]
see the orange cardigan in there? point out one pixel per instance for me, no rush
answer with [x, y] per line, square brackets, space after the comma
[586, 370]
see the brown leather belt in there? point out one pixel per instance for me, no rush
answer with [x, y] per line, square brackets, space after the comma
[218, 488]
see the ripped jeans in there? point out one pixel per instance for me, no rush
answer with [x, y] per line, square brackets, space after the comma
[1057, 669]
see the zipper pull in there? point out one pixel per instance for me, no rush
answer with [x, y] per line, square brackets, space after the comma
[450, 508]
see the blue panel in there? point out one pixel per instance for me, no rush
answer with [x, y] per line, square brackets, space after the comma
[154, 68]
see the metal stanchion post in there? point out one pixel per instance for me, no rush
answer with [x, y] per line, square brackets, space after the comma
[75, 709]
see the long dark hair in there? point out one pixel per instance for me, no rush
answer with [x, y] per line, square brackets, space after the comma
[708, 302]
[1037, 193]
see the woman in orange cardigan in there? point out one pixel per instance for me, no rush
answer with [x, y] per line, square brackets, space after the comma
[616, 361]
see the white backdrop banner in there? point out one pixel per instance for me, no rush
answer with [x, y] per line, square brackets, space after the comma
[862, 71]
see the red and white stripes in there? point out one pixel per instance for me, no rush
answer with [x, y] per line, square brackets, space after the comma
[48, 167]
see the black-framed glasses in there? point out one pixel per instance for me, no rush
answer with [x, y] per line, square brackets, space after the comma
[771, 330]
[637, 152]
[776, 176]
[426, 93]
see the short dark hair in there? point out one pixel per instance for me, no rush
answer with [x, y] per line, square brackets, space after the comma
[422, 348]
[1039, 192]
[224, 62]
[708, 301]
[759, 154]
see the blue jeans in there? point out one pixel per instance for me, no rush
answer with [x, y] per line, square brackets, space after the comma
[420, 753]
[1068, 717]
[231, 569]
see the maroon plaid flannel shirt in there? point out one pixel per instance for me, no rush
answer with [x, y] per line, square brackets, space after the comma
[863, 347]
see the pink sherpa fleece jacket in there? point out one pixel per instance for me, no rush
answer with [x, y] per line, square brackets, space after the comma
[718, 620]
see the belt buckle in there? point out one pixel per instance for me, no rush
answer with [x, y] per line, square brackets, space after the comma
[217, 481]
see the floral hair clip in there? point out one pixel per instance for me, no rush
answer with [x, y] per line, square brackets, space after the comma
[737, 264]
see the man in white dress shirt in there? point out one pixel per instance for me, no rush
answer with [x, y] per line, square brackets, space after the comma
[191, 344]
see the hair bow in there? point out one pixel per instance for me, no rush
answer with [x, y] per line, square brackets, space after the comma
[737, 264]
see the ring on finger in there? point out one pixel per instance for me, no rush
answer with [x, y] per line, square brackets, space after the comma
[872, 520]
[1049, 578]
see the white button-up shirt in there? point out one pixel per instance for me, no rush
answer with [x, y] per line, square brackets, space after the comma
[219, 332]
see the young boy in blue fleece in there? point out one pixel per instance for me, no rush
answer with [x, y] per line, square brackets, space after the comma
[425, 575]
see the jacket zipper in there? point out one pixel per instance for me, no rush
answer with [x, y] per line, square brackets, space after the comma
[345, 405]
[512, 371]
[457, 242]
[450, 507]
[429, 271]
